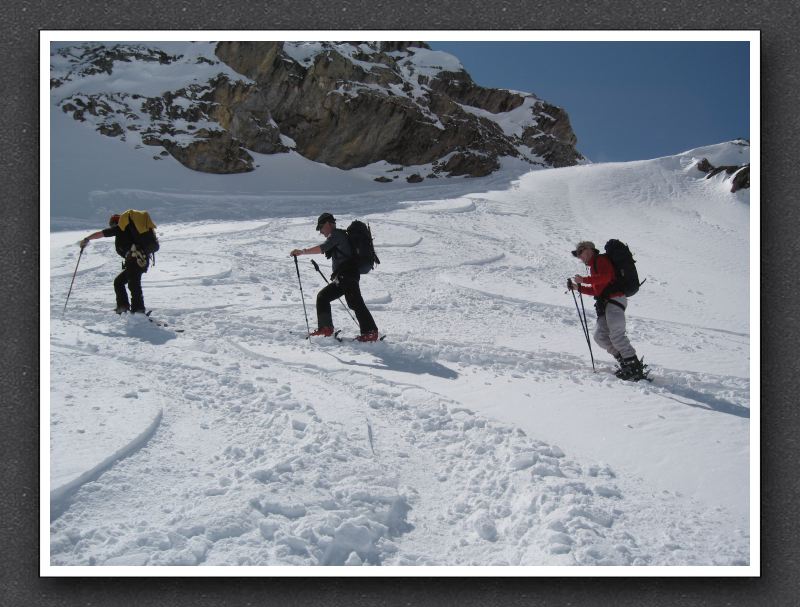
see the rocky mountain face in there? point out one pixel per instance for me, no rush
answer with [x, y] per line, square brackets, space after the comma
[343, 104]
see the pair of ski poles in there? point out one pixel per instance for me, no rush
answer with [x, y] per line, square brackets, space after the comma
[581, 317]
[305, 312]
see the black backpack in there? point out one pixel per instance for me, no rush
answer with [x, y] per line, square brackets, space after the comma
[360, 237]
[626, 278]
[147, 241]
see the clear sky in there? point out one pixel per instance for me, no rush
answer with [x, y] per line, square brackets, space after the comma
[625, 100]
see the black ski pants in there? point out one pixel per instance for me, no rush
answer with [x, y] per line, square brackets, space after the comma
[132, 276]
[347, 285]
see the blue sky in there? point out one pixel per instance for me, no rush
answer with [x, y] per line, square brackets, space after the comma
[625, 100]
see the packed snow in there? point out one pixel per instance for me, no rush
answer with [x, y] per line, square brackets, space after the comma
[476, 434]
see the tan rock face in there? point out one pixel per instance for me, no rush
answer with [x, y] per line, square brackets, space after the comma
[217, 154]
[349, 114]
[345, 104]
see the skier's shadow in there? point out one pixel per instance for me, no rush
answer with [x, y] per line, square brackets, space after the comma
[705, 401]
[156, 337]
[389, 360]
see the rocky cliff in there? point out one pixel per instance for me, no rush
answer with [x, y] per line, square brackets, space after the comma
[343, 104]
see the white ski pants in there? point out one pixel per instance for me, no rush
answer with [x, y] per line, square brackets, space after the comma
[610, 331]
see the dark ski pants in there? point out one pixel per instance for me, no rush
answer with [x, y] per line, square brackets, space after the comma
[350, 288]
[132, 276]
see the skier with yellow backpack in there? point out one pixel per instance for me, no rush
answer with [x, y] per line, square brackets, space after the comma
[136, 242]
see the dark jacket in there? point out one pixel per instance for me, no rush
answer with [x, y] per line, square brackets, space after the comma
[122, 239]
[337, 248]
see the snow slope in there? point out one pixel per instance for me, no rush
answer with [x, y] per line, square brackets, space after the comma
[475, 434]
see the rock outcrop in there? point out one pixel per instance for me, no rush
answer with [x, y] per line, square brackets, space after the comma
[741, 173]
[347, 105]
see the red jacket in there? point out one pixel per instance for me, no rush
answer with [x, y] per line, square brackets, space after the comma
[601, 274]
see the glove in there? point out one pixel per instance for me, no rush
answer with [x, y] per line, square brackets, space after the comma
[570, 286]
[83, 243]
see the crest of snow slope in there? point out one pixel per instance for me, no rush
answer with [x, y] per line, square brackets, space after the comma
[476, 434]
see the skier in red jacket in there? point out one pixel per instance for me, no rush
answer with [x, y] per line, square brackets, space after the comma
[610, 332]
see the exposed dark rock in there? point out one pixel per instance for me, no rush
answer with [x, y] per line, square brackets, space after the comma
[110, 130]
[217, 154]
[471, 164]
[704, 165]
[741, 174]
[415, 178]
[741, 179]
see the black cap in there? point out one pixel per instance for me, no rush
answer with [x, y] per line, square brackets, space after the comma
[323, 219]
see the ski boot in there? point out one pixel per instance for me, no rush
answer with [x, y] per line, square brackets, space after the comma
[632, 369]
[122, 309]
[322, 332]
[368, 336]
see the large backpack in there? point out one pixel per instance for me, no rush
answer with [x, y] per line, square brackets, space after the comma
[360, 237]
[626, 278]
[141, 230]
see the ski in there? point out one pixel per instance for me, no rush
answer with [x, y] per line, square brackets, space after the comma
[161, 323]
[341, 339]
[336, 335]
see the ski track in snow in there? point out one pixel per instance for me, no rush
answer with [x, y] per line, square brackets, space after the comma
[275, 450]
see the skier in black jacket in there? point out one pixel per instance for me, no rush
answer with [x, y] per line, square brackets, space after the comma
[344, 280]
[134, 265]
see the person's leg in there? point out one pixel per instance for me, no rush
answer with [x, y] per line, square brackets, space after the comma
[355, 301]
[135, 285]
[602, 338]
[617, 333]
[324, 298]
[119, 290]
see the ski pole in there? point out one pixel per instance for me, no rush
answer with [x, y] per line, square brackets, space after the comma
[73, 281]
[302, 297]
[586, 330]
[316, 267]
[582, 320]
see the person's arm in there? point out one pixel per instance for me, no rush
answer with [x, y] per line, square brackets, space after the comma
[600, 278]
[312, 251]
[93, 236]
